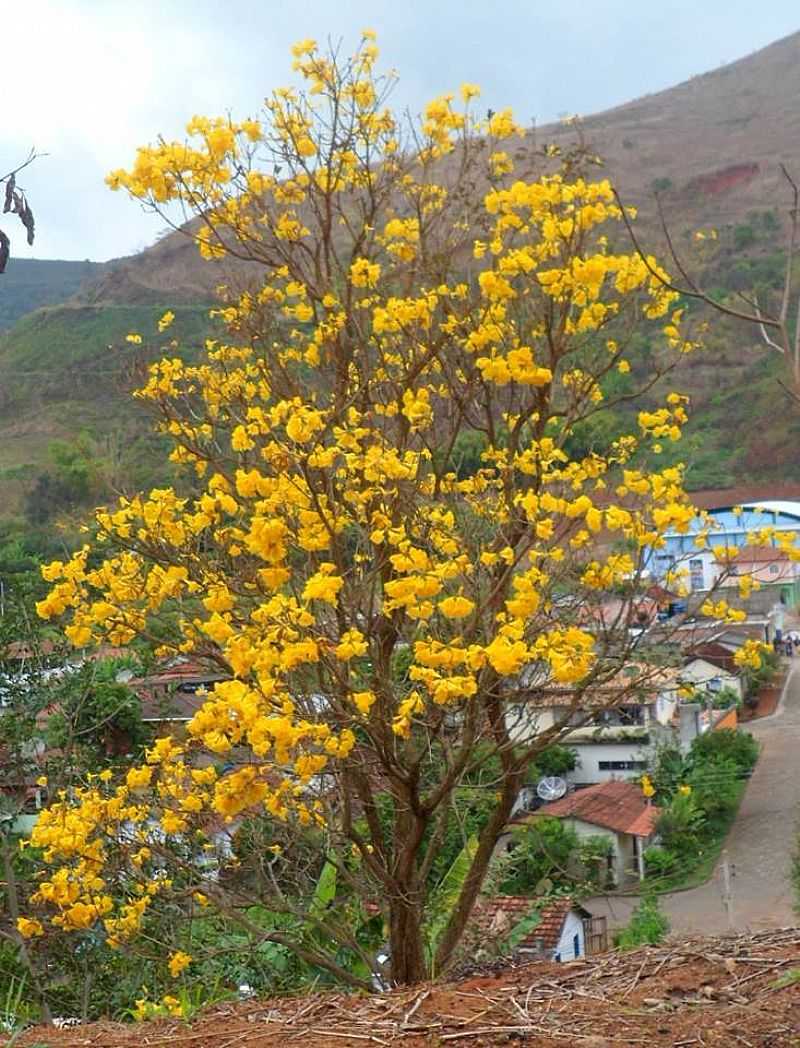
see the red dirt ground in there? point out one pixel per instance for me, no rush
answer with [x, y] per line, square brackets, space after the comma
[717, 993]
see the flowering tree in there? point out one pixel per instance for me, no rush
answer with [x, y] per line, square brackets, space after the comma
[384, 541]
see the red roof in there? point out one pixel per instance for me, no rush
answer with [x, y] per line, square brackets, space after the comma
[753, 554]
[619, 806]
[745, 494]
[171, 708]
[176, 692]
[717, 655]
[495, 918]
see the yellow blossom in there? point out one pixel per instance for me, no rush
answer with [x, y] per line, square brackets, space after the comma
[178, 961]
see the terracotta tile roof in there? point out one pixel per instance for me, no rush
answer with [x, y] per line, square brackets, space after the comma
[690, 633]
[494, 918]
[745, 494]
[634, 684]
[619, 806]
[719, 655]
[754, 555]
[178, 706]
[171, 694]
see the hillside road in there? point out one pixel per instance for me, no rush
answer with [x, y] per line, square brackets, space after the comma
[759, 846]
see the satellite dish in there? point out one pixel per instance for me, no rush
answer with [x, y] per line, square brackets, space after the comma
[551, 788]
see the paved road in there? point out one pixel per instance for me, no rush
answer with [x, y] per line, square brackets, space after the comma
[760, 844]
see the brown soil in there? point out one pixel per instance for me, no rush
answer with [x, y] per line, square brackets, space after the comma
[723, 992]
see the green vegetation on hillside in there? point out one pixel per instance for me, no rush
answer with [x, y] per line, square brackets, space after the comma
[32, 283]
[71, 434]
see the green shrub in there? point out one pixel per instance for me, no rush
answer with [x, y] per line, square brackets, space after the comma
[715, 786]
[680, 824]
[543, 849]
[726, 744]
[724, 698]
[659, 861]
[647, 927]
[756, 679]
[555, 760]
[593, 853]
[667, 770]
[744, 236]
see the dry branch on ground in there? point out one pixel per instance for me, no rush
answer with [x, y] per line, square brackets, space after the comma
[738, 990]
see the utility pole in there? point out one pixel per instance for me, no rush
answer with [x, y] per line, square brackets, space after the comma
[727, 873]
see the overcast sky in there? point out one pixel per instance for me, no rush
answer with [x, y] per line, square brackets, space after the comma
[89, 80]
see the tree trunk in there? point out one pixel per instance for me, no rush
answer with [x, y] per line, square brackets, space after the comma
[406, 945]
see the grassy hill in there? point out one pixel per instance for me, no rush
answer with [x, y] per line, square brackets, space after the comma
[66, 376]
[710, 150]
[29, 283]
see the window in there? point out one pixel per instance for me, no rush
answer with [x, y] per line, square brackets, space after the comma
[664, 562]
[623, 716]
[696, 578]
[622, 765]
[773, 569]
[576, 945]
[631, 715]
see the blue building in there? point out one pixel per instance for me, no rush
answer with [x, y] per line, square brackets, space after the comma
[734, 526]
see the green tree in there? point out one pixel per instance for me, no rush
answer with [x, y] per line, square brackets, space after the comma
[542, 849]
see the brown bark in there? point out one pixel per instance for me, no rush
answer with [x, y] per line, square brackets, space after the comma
[406, 903]
[405, 941]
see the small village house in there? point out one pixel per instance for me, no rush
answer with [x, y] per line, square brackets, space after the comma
[618, 811]
[565, 930]
[172, 696]
[711, 668]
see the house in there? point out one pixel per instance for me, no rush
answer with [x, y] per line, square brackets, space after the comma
[613, 737]
[172, 696]
[738, 516]
[710, 667]
[766, 565]
[616, 810]
[564, 931]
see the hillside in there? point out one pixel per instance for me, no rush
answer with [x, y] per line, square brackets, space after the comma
[713, 144]
[711, 147]
[29, 283]
[739, 990]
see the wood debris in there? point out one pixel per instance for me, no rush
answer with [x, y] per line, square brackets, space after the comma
[714, 992]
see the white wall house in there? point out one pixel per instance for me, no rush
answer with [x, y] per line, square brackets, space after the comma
[618, 811]
[571, 941]
[614, 743]
[711, 677]
[564, 931]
